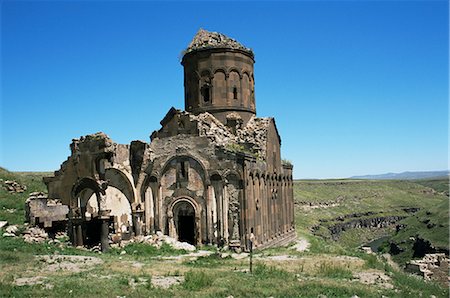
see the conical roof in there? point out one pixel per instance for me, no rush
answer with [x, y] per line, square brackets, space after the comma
[207, 40]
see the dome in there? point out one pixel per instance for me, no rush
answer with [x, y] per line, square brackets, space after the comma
[210, 40]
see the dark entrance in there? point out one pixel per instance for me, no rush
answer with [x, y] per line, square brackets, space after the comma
[184, 219]
[186, 229]
[92, 232]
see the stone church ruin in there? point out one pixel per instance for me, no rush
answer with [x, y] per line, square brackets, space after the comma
[212, 174]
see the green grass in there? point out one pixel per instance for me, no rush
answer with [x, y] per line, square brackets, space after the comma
[380, 198]
[196, 280]
[213, 276]
[12, 205]
[430, 224]
[439, 185]
[211, 261]
[329, 270]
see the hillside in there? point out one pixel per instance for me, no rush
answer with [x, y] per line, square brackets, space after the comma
[12, 204]
[332, 268]
[354, 212]
[406, 175]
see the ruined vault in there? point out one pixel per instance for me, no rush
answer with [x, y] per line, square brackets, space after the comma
[212, 174]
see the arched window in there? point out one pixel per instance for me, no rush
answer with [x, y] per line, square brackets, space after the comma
[235, 92]
[206, 93]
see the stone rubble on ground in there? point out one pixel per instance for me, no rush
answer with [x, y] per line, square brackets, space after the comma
[374, 277]
[11, 231]
[158, 240]
[235, 256]
[431, 265]
[3, 223]
[140, 281]
[68, 263]
[34, 235]
[166, 282]
[13, 186]
[29, 281]
[190, 256]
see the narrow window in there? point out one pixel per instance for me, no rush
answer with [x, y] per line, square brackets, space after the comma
[234, 92]
[205, 93]
[183, 170]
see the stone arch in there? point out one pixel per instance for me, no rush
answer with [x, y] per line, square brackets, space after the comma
[149, 196]
[205, 87]
[219, 83]
[205, 73]
[196, 161]
[215, 176]
[219, 69]
[118, 200]
[81, 192]
[184, 216]
[234, 84]
[181, 176]
[231, 172]
[86, 183]
[120, 180]
[236, 70]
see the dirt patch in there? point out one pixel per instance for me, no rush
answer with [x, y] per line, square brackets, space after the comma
[73, 264]
[166, 282]
[301, 244]
[374, 277]
[135, 282]
[31, 281]
[391, 262]
[277, 258]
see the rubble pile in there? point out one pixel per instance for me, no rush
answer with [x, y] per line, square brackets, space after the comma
[34, 234]
[41, 210]
[253, 135]
[159, 239]
[11, 231]
[13, 186]
[207, 40]
[430, 266]
[213, 129]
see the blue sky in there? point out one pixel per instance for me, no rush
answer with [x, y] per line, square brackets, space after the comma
[356, 87]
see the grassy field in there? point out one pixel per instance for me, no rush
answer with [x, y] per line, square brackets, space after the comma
[331, 268]
[325, 203]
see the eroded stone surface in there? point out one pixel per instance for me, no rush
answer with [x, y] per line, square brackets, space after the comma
[207, 40]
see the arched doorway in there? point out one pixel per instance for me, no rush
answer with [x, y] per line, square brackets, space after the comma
[185, 221]
[120, 217]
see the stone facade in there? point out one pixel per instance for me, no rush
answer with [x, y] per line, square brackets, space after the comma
[212, 174]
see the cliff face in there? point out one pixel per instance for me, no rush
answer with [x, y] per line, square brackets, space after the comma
[374, 222]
